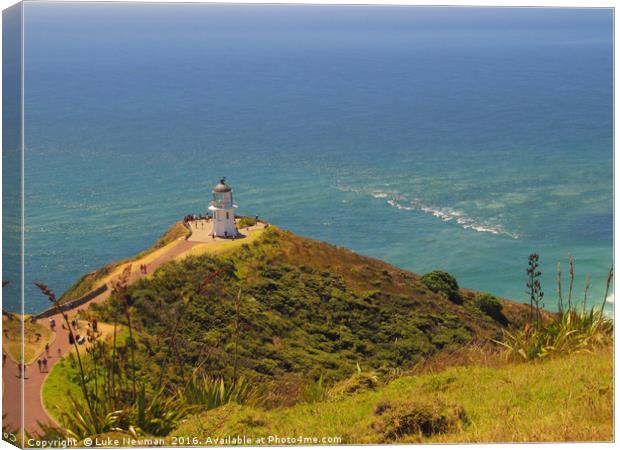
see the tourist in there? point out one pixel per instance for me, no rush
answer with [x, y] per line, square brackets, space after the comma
[47, 349]
[44, 364]
[71, 338]
[3, 359]
[95, 325]
[52, 324]
[39, 363]
[19, 369]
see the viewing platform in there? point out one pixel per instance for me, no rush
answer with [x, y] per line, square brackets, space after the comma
[202, 229]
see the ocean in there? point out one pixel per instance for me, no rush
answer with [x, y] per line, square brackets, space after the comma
[460, 139]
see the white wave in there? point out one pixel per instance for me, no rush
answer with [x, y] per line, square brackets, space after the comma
[399, 201]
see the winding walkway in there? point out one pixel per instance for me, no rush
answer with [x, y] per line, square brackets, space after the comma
[34, 411]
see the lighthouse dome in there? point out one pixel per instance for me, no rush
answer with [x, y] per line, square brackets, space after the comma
[222, 186]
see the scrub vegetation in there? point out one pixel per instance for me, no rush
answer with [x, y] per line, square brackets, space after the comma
[283, 335]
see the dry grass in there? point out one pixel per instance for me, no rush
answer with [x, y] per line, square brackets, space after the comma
[35, 338]
[568, 398]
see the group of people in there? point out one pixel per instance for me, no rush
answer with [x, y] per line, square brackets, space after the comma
[42, 363]
[92, 332]
[143, 269]
[73, 339]
[193, 217]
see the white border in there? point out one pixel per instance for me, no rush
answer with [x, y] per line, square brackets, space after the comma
[477, 3]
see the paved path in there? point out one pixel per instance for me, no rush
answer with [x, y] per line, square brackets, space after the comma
[34, 411]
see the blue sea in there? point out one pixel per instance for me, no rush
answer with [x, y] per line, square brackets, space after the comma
[460, 139]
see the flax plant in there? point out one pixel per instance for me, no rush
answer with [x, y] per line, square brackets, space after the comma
[570, 330]
[572, 279]
[119, 287]
[534, 287]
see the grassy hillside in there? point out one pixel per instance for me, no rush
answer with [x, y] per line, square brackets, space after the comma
[295, 310]
[562, 399]
[286, 336]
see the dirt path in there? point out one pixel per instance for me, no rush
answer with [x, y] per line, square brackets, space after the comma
[34, 411]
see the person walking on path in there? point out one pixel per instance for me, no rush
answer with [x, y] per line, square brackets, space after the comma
[47, 349]
[44, 362]
[40, 364]
[19, 370]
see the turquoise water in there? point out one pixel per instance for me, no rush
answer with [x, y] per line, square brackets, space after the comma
[461, 139]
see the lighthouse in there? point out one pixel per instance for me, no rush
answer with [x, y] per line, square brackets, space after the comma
[223, 210]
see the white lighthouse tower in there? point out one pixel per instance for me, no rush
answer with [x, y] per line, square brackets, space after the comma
[223, 210]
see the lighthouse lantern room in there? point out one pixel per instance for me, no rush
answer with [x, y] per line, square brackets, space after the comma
[223, 210]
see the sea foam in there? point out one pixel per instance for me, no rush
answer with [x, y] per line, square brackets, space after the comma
[446, 214]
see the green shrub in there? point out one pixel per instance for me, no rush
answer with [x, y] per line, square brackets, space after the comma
[443, 283]
[314, 391]
[246, 222]
[491, 306]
